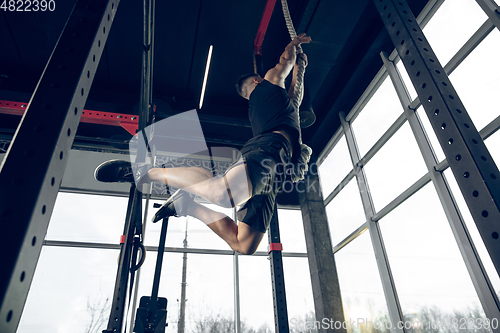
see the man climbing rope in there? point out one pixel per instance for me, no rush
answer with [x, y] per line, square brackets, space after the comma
[254, 180]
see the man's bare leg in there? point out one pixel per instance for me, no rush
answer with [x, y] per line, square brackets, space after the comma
[241, 238]
[229, 191]
[179, 177]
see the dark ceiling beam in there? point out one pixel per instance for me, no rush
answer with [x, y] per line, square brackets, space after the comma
[208, 113]
[352, 53]
[120, 146]
[224, 120]
[307, 16]
[167, 106]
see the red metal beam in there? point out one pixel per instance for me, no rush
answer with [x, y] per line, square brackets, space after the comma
[127, 121]
[264, 23]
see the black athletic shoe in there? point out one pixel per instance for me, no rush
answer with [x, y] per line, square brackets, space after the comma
[176, 205]
[119, 171]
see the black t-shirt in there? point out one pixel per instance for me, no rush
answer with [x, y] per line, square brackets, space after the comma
[270, 109]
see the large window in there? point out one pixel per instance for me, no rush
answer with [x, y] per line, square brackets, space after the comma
[428, 270]
[360, 285]
[77, 271]
[414, 248]
[71, 290]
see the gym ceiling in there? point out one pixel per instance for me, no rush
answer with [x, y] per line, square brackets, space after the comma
[347, 35]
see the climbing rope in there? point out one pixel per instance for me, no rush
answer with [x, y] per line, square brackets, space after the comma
[302, 65]
[301, 165]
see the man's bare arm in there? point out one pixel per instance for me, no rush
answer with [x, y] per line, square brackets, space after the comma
[278, 74]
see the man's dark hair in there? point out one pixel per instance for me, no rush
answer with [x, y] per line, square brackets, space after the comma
[242, 79]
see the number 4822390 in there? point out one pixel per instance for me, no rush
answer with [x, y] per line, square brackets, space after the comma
[28, 5]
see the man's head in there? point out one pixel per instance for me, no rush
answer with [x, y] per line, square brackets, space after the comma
[247, 83]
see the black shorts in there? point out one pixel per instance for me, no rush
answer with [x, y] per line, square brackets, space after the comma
[267, 157]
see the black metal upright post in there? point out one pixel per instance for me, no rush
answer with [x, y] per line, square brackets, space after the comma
[277, 275]
[32, 171]
[146, 102]
[133, 225]
[470, 161]
[152, 314]
[159, 262]
[126, 259]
